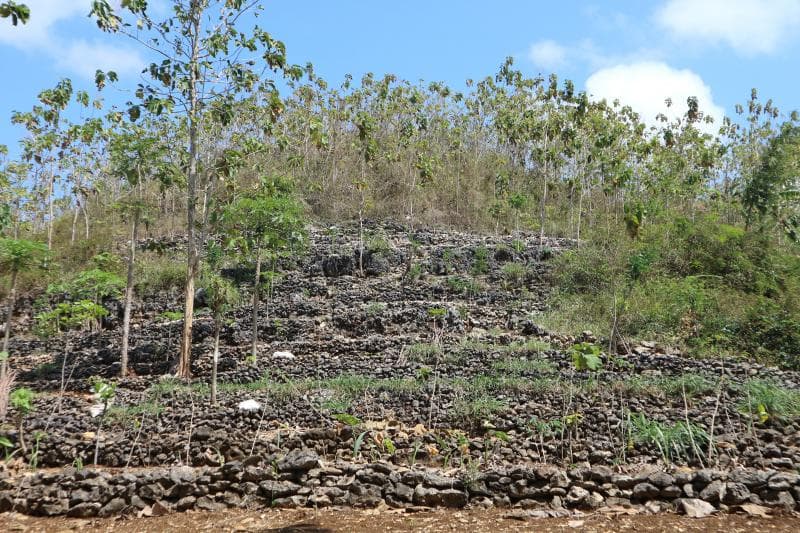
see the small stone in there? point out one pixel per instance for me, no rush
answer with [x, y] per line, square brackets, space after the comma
[298, 460]
[713, 491]
[113, 507]
[694, 508]
[576, 496]
[661, 479]
[735, 493]
[783, 481]
[645, 491]
[83, 510]
[439, 498]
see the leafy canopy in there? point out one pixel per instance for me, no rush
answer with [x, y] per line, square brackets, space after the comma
[17, 255]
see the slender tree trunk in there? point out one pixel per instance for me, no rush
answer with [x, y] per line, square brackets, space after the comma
[12, 296]
[74, 224]
[126, 320]
[215, 361]
[256, 290]
[192, 258]
[21, 435]
[86, 217]
[50, 211]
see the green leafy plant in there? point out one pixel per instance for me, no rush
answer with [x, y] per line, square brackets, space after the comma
[347, 419]
[480, 262]
[105, 392]
[84, 314]
[586, 356]
[22, 401]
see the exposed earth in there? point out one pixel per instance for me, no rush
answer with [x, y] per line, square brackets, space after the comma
[355, 521]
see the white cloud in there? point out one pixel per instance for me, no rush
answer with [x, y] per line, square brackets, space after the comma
[45, 14]
[646, 85]
[748, 26]
[85, 58]
[43, 34]
[547, 54]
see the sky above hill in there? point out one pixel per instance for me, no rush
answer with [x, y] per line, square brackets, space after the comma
[638, 51]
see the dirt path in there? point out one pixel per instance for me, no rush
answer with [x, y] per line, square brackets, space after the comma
[355, 521]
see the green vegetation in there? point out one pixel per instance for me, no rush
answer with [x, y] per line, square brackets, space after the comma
[158, 272]
[480, 261]
[466, 286]
[681, 236]
[514, 275]
[768, 400]
[711, 288]
[518, 365]
[477, 409]
[678, 441]
[586, 356]
[22, 401]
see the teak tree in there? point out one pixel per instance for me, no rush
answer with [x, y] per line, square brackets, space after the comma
[264, 223]
[139, 157]
[16, 255]
[207, 61]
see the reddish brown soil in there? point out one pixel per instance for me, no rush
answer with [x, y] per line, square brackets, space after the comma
[357, 521]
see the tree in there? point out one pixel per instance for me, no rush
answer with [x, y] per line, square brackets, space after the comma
[221, 295]
[22, 401]
[265, 224]
[16, 255]
[17, 12]
[46, 142]
[138, 156]
[206, 62]
[774, 190]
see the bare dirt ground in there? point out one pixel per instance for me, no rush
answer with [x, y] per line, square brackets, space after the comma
[358, 521]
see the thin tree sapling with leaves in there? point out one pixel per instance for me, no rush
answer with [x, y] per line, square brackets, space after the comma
[265, 224]
[221, 296]
[16, 255]
[138, 156]
[207, 60]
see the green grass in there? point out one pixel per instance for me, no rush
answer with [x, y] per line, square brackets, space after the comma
[465, 286]
[519, 365]
[156, 273]
[475, 409]
[125, 414]
[690, 384]
[424, 352]
[681, 440]
[346, 386]
[769, 400]
[374, 309]
[514, 275]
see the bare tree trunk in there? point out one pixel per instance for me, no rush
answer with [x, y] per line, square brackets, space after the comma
[126, 320]
[12, 296]
[215, 363]
[86, 217]
[74, 223]
[256, 290]
[192, 258]
[50, 211]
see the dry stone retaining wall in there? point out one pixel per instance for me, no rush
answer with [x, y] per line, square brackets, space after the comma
[300, 479]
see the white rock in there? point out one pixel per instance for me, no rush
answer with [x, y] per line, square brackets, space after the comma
[249, 405]
[695, 508]
[96, 409]
[283, 355]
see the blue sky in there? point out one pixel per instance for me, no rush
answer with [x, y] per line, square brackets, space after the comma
[638, 51]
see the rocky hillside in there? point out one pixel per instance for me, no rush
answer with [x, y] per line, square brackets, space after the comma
[426, 380]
